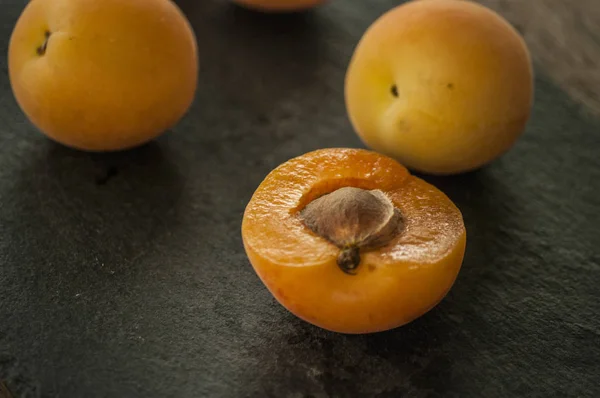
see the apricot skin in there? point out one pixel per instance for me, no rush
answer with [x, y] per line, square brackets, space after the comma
[279, 5]
[393, 285]
[114, 74]
[463, 79]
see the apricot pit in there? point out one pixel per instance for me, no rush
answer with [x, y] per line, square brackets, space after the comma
[353, 219]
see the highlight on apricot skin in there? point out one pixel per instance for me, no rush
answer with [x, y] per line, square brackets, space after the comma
[279, 5]
[103, 75]
[350, 241]
[442, 86]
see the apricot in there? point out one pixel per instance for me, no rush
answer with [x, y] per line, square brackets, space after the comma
[350, 241]
[103, 75]
[279, 5]
[442, 86]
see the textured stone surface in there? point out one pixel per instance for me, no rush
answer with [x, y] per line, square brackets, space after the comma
[565, 38]
[124, 275]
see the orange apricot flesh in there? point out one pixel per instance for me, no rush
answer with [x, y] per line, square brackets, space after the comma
[393, 284]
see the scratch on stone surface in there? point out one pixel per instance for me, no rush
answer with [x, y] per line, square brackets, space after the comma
[314, 372]
[587, 329]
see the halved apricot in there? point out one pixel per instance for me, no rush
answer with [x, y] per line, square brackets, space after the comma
[350, 241]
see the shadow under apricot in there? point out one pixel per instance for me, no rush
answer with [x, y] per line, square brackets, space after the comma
[89, 210]
[421, 355]
[305, 360]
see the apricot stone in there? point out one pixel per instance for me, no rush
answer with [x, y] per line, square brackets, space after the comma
[103, 75]
[443, 86]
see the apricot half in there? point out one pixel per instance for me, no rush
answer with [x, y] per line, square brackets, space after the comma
[443, 86]
[348, 240]
[103, 75]
[279, 5]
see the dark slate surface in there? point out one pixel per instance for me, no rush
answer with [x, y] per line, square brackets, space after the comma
[123, 275]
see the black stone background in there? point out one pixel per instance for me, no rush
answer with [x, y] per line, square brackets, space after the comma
[123, 275]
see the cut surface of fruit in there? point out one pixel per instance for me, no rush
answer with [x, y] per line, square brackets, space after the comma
[395, 280]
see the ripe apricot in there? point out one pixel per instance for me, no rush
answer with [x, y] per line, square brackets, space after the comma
[348, 240]
[443, 86]
[279, 5]
[103, 75]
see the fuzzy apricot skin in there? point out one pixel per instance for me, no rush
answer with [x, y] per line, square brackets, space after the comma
[393, 285]
[115, 74]
[279, 5]
[464, 83]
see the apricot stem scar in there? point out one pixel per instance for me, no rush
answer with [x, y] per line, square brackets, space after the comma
[349, 259]
[41, 50]
[353, 219]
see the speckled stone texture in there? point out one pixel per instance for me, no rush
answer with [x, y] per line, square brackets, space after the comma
[123, 275]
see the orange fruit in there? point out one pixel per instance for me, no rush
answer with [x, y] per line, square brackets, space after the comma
[442, 86]
[103, 75]
[305, 233]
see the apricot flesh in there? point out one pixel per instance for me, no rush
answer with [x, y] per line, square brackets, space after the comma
[279, 5]
[393, 284]
[443, 86]
[103, 75]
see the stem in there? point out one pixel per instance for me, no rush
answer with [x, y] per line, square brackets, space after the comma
[349, 259]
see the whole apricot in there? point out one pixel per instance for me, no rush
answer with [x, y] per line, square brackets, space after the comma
[350, 241]
[103, 75]
[279, 5]
[443, 86]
